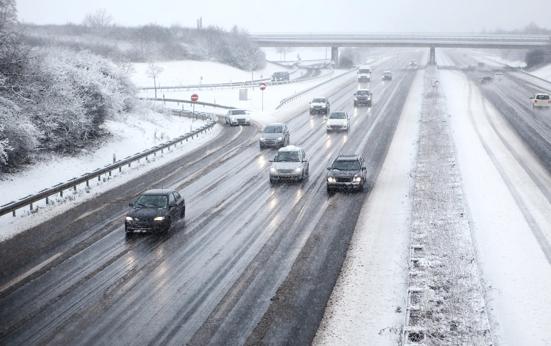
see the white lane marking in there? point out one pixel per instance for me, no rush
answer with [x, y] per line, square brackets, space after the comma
[30, 272]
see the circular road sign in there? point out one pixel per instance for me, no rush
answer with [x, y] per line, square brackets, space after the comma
[262, 86]
[194, 97]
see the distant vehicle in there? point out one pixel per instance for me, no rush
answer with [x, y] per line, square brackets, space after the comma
[289, 164]
[364, 74]
[280, 76]
[236, 117]
[363, 97]
[338, 121]
[387, 75]
[347, 172]
[541, 100]
[319, 105]
[275, 135]
[412, 65]
[155, 210]
[486, 79]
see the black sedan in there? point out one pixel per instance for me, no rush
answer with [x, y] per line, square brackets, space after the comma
[155, 210]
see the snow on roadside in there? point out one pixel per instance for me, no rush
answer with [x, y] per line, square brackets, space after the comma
[515, 270]
[131, 134]
[368, 301]
[543, 72]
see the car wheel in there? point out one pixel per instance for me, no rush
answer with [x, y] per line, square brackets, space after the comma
[272, 181]
[329, 190]
[261, 146]
[128, 230]
[183, 213]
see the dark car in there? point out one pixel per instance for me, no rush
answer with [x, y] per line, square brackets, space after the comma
[155, 211]
[275, 135]
[347, 172]
[280, 76]
[362, 97]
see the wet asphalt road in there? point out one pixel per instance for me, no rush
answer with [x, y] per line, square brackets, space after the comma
[250, 263]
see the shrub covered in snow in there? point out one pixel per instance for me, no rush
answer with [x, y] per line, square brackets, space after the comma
[54, 99]
[151, 42]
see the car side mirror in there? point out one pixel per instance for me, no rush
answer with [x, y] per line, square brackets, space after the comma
[364, 168]
[305, 160]
[172, 205]
[131, 204]
[328, 168]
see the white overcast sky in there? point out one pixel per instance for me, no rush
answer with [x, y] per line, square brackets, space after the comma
[303, 15]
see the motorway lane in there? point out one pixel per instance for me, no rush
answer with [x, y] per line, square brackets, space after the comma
[236, 246]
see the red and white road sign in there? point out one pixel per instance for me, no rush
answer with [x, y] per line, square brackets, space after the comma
[194, 98]
[262, 86]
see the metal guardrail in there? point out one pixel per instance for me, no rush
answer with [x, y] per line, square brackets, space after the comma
[207, 104]
[294, 97]
[45, 194]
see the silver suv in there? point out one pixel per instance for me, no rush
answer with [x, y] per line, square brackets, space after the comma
[289, 164]
[275, 135]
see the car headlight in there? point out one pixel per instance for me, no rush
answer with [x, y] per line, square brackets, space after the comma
[298, 170]
[273, 170]
[331, 179]
[279, 139]
[129, 218]
[262, 139]
[357, 179]
[159, 218]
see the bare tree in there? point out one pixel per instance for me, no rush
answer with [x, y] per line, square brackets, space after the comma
[153, 71]
[99, 20]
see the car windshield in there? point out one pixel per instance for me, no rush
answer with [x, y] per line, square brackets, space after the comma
[318, 100]
[362, 92]
[237, 112]
[151, 201]
[346, 165]
[365, 70]
[337, 115]
[287, 156]
[542, 97]
[273, 129]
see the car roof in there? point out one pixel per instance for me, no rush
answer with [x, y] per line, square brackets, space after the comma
[538, 94]
[319, 97]
[290, 148]
[348, 157]
[275, 124]
[158, 192]
[363, 90]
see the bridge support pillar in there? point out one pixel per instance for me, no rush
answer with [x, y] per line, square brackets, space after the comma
[432, 56]
[335, 55]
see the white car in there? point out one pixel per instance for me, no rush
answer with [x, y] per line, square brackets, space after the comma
[236, 117]
[289, 164]
[541, 100]
[338, 121]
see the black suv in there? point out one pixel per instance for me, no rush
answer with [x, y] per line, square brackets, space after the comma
[155, 210]
[363, 97]
[347, 172]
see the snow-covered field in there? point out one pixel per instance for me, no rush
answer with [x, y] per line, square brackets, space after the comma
[191, 72]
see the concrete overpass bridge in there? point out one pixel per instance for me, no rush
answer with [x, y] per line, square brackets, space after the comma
[428, 40]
